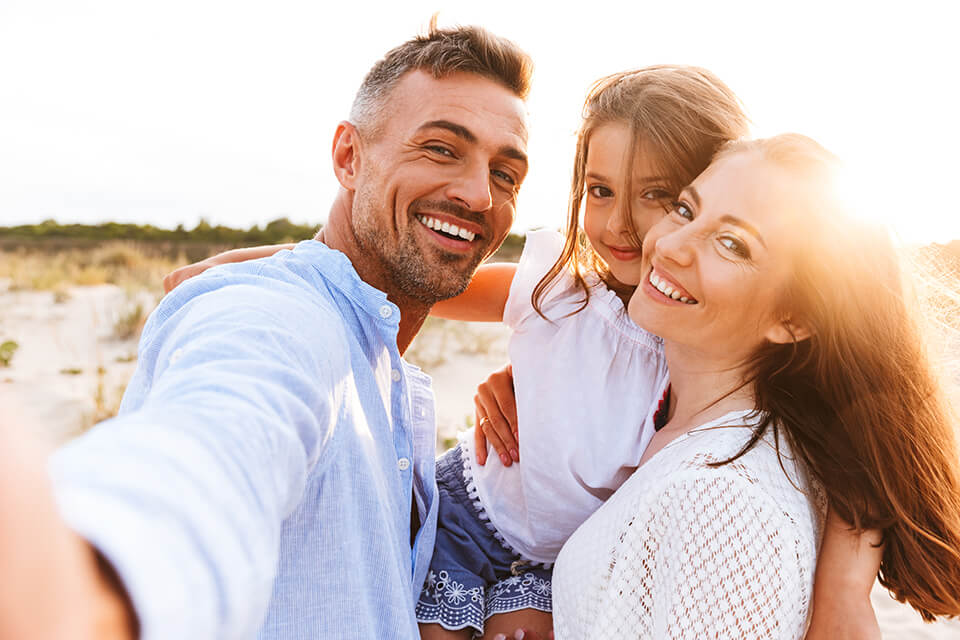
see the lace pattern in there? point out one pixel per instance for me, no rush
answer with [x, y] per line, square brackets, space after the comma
[684, 550]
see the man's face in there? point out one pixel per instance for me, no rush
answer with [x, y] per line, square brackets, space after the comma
[437, 183]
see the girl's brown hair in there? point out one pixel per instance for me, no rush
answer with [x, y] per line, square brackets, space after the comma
[680, 115]
[858, 400]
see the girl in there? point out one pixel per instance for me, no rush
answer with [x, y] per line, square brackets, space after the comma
[645, 134]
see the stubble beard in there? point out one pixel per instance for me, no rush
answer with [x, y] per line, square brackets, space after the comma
[425, 274]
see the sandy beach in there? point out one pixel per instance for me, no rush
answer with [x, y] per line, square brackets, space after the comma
[75, 357]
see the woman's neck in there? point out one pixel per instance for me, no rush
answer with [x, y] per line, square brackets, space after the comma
[703, 387]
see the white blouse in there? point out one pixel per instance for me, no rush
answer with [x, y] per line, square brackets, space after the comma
[584, 386]
[685, 550]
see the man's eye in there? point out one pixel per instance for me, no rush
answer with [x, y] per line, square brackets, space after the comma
[682, 210]
[443, 151]
[600, 191]
[735, 246]
[503, 175]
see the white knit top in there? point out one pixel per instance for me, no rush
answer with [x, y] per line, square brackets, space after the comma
[584, 387]
[685, 550]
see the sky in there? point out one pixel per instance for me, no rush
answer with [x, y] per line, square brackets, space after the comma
[168, 112]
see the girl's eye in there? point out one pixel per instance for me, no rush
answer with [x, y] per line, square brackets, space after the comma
[600, 191]
[682, 210]
[657, 194]
[735, 246]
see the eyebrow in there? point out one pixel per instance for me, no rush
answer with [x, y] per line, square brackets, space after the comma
[729, 219]
[468, 136]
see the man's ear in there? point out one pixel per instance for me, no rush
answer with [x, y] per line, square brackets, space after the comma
[786, 331]
[346, 154]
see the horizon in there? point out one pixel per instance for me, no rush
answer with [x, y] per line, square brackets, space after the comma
[210, 109]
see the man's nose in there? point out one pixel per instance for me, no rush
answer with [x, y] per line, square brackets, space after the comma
[472, 188]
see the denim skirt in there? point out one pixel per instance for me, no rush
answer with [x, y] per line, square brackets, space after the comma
[473, 575]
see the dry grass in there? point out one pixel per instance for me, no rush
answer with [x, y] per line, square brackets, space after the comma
[120, 263]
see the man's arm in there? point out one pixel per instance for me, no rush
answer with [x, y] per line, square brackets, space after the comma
[185, 495]
[847, 568]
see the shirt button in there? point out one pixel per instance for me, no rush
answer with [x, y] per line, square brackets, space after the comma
[421, 411]
[386, 311]
[395, 375]
[403, 464]
[176, 355]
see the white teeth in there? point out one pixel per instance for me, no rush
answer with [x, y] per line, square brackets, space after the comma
[667, 290]
[446, 227]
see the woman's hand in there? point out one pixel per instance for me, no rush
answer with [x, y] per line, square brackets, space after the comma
[496, 412]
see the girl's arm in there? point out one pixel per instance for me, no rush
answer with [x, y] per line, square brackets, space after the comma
[846, 570]
[484, 299]
[175, 278]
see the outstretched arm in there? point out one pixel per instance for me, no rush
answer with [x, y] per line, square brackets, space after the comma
[185, 494]
[176, 277]
[846, 571]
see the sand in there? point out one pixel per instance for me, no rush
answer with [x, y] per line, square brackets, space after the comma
[71, 367]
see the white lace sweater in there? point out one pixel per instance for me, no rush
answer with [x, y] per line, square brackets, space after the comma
[685, 550]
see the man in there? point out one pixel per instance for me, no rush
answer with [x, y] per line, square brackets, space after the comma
[272, 467]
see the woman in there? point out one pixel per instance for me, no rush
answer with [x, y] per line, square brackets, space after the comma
[797, 380]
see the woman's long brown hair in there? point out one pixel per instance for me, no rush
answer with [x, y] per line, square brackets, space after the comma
[859, 401]
[680, 115]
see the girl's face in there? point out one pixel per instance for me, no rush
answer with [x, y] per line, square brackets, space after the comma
[605, 207]
[715, 268]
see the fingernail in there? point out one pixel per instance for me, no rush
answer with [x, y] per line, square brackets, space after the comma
[505, 459]
[515, 455]
[519, 634]
[499, 636]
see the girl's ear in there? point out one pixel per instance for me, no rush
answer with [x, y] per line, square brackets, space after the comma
[346, 154]
[785, 332]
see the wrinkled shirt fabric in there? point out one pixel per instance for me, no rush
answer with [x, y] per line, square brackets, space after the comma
[259, 479]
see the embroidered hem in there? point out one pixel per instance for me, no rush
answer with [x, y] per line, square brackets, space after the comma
[524, 591]
[450, 604]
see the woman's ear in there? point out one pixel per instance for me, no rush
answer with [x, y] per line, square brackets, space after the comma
[786, 331]
[346, 154]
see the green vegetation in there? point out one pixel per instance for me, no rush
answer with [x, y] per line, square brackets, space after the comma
[193, 244]
[7, 349]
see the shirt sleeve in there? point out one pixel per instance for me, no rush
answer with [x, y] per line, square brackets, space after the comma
[540, 251]
[186, 493]
[719, 561]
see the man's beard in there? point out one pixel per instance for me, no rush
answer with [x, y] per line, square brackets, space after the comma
[426, 274]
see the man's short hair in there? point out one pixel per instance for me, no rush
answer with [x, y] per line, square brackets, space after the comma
[441, 52]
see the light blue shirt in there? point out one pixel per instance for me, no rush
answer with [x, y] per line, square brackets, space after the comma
[259, 479]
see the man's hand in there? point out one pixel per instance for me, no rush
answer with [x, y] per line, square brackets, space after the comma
[54, 585]
[496, 411]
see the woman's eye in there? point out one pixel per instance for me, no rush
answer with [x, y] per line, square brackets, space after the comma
[600, 191]
[735, 246]
[682, 210]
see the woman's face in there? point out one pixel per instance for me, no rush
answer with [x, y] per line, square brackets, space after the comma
[605, 205]
[715, 268]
